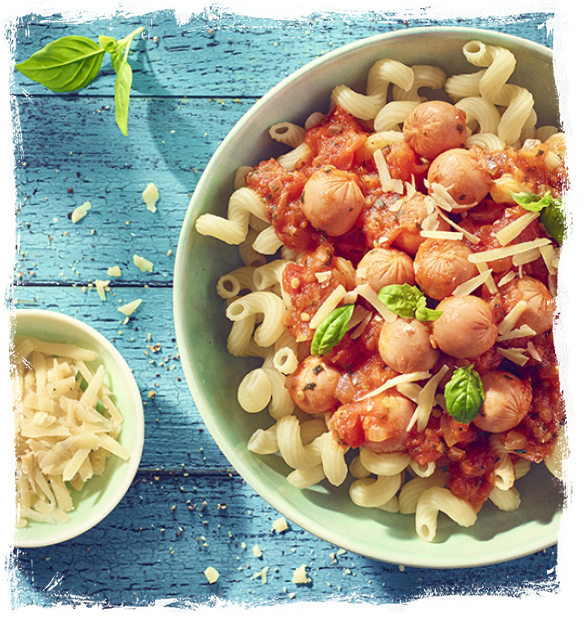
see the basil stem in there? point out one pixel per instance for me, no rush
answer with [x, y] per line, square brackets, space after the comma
[331, 330]
[464, 394]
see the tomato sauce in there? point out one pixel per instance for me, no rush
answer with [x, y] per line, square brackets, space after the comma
[325, 263]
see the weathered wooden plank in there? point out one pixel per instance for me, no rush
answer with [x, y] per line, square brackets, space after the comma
[65, 163]
[212, 53]
[169, 529]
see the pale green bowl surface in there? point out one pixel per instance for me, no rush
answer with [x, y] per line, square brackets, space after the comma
[213, 375]
[101, 494]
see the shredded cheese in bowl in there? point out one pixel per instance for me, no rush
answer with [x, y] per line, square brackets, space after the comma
[78, 442]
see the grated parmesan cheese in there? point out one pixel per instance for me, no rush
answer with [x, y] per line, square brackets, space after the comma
[395, 381]
[329, 304]
[65, 430]
[442, 234]
[100, 285]
[517, 356]
[509, 322]
[513, 230]
[80, 212]
[426, 399]
[150, 196]
[466, 288]
[369, 294]
[524, 331]
[211, 574]
[300, 575]
[143, 264]
[130, 307]
[280, 525]
[497, 253]
[387, 183]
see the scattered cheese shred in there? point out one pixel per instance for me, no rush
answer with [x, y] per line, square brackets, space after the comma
[143, 264]
[130, 307]
[211, 574]
[114, 271]
[426, 399]
[510, 275]
[369, 294]
[387, 183]
[400, 379]
[257, 551]
[517, 356]
[440, 196]
[497, 253]
[513, 230]
[80, 212]
[524, 331]
[527, 257]
[330, 303]
[509, 322]
[472, 238]
[490, 282]
[442, 234]
[548, 253]
[466, 288]
[100, 285]
[300, 575]
[280, 525]
[150, 196]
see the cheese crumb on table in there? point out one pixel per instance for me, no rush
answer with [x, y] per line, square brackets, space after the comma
[300, 575]
[280, 525]
[212, 574]
[114, 271]
[80, 212]
[130, 307]
[150, 196]
[142, 263]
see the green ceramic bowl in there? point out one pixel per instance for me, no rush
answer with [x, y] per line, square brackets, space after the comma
[101, 494]
[213, 375]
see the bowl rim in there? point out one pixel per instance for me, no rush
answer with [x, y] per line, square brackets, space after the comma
[65, 533]
[270, 495]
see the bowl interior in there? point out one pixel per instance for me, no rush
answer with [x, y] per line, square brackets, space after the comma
[100, 494]
[202, 330]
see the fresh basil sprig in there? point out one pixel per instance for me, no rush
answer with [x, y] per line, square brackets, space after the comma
[408, 302]
[553, 216]
[71, 63]
[331, 330]
[464, 394]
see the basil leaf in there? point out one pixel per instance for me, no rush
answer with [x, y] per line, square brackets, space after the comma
[533, 202]
[331, 330]
[401, 299]
[408, 302]
[553, 216]
[464, 394]
[554, 221]
[426, 314]
[65, 65]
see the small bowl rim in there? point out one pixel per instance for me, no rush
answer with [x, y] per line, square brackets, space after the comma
[194, 381]
[62, 531]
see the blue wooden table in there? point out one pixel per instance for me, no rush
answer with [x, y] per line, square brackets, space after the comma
[187, 508]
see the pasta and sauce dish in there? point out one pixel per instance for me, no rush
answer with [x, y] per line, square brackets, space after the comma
[398, 284]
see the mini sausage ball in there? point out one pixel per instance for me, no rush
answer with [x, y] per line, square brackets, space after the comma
[434, 127]
[463, 176]
[382, 267]
[466, 328]
[540, 310]
[441, 265]
[332, 200]
[312, 385]
[507, 402]
[404, 345]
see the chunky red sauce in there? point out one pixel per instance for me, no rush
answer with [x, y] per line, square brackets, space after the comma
[385, 222]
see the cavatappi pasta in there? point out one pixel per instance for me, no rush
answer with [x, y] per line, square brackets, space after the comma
[389, 189]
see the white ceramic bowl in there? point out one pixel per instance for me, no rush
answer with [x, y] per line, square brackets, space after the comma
[213, 375]
[100, 494]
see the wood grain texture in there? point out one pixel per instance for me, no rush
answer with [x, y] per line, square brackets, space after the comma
[188, 508]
